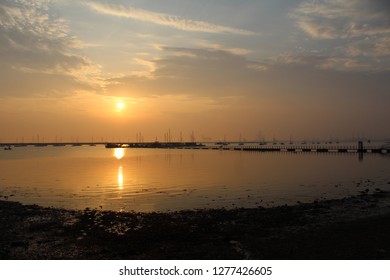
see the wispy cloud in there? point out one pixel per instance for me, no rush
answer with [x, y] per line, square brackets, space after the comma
[35, 43]
[330, 19]
[215, 46]
[359, 31]
[330, 62]
[165, 19]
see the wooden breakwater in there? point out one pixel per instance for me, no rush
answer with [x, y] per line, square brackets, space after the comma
[318, 149]
[359, 148]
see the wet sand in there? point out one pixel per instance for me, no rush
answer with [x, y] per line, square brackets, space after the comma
[350, 228]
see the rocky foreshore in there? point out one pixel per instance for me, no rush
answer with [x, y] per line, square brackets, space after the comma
[356, 227]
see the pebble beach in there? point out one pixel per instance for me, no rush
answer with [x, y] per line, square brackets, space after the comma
[351, 228]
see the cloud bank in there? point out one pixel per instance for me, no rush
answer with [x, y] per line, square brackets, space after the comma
[195, 72]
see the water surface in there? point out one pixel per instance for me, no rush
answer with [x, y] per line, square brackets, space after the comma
[176, 179]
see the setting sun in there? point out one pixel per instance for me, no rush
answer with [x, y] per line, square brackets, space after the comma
[120, 106]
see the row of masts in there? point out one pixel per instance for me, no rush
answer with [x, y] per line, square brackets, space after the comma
[139, 138]
[169, 137]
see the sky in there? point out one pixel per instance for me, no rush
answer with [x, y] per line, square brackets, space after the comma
[217, 69]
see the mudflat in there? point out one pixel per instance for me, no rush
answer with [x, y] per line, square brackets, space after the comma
[355, 227]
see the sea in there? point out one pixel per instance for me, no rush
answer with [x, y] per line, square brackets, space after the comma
[164, 180]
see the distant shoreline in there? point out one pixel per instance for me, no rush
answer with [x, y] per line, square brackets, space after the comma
[359, 147]
[350, 228]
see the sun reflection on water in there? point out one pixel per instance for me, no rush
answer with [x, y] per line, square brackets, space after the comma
[119, 153]
[120, 177]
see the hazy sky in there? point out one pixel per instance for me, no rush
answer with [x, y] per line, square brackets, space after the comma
[220, 68]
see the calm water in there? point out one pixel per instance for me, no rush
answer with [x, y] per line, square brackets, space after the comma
[162, 179]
